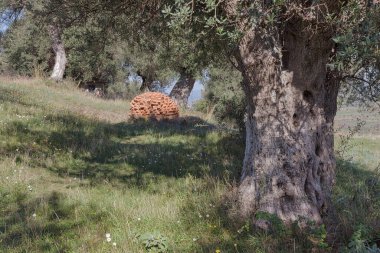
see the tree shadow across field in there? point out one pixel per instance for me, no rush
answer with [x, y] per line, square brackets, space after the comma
[50, 227]
[137, 153]
[128, 151]
[132, 153]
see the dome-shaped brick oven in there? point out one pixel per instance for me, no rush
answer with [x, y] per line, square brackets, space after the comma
[153, 105]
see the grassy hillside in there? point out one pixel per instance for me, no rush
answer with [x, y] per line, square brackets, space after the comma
[77, 176]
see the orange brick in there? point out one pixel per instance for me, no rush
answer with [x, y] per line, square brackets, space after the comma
[153, 105]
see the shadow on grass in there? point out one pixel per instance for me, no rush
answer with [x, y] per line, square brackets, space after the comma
[129, 151]
[137, 153]
[45, 231]
[356, 198]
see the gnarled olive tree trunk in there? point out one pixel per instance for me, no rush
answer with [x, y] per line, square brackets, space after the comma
[60, 54]
[289, 159]
[182, 89]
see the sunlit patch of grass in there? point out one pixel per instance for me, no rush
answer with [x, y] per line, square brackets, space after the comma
[364, 150]
[349, 117]
[61, 97]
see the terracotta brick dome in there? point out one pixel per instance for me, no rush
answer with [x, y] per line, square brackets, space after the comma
[153, 105]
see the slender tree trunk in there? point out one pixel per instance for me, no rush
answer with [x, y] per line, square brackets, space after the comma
[289, 164]
[60, 54]
[182, 89]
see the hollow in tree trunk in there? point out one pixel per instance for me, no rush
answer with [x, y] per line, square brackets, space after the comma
[59, 51]
[182, 89]
[289, 164]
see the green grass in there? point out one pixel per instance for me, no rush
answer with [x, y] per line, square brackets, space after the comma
[349, 117]
[73, 168]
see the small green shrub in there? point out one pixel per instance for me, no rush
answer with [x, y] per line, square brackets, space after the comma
[202, 105]
[318, 234]
[277, 227]
[360, 243]
[154, 242]
[224, 96]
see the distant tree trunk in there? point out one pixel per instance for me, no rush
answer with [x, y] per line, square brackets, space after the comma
[289, 164]
[182, 89]
[60, 54]
[147, 82]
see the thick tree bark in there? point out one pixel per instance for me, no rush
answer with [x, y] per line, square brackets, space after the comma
[182, 89]
[289, 159]
[60, 54]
